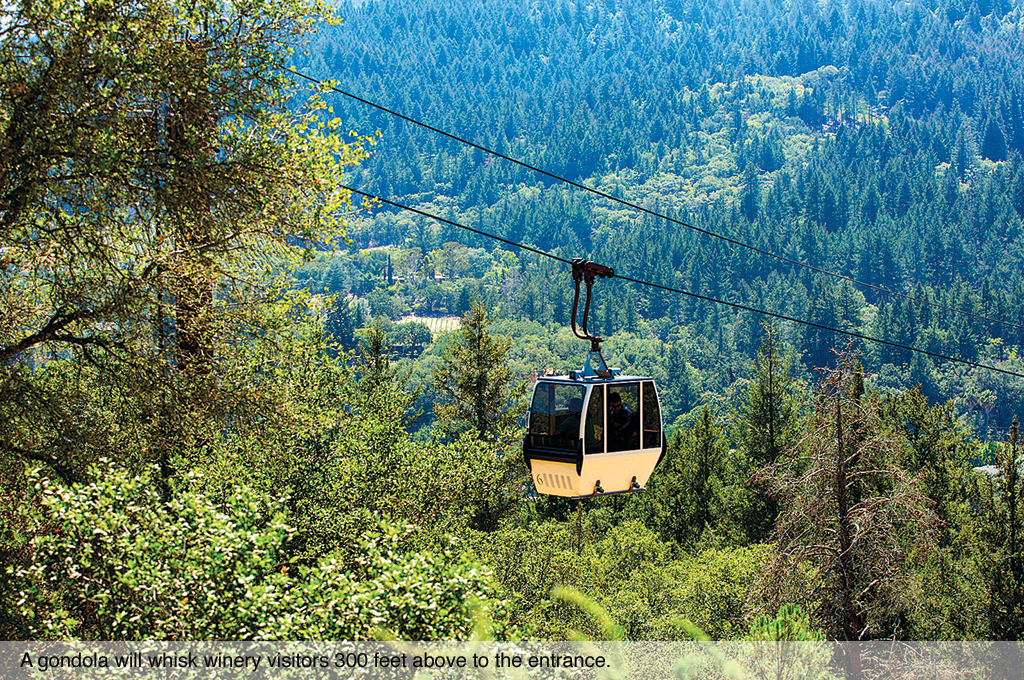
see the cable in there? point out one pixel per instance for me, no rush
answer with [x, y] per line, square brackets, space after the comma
[734, 305]
[379, 199]
[634, 206]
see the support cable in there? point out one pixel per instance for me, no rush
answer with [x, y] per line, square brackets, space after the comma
[648, 211]
[696, 296]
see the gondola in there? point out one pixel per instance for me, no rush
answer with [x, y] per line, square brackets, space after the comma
[593, 432]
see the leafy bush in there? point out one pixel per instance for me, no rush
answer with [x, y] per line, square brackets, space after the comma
[120, 562]
[791, 625]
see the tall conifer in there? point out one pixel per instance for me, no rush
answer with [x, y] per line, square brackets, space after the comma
[478, 392]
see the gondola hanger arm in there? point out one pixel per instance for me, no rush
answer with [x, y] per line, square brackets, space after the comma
[587, 272]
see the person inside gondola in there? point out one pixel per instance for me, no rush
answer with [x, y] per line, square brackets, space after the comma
[621, 424]
[570, 427]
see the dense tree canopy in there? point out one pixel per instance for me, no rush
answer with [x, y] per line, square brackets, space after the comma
[860, 138]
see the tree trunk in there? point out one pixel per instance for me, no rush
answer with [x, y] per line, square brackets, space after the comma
[192, 140]
[851, 620]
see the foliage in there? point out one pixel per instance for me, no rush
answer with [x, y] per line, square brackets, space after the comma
[609, 631]
[477, 391]
[950, 583]
[1007, 612]
[713, 589]
[781, 658]
[151, 169]
[768, 417]
[374, 364]
[364, 465]
[118, 562]
[627, 571]
[766, 423]
[690, 488]
[791, 624]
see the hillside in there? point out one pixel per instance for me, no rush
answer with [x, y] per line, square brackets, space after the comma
[878, 141]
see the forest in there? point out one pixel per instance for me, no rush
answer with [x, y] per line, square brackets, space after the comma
[879, 143]
[242, 403]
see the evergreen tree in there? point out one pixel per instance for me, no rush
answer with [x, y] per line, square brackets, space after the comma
[1007, 609]
[688, 492]
[477, 391]
[790, 625]
[768, 416]
[679, 394]
[955, 598]
[374, 361]
[822, 309]
[766, 424]
[993, 145]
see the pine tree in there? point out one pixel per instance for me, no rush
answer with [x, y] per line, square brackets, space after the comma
[768, 417]
[790, 625]
[477, 391]
[688, 493]
[824, 311]
[1007, 609]
[383, 387]
[767, 423]
[993, 145]
[374, 362]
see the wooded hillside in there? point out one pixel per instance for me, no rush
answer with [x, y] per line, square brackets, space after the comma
[880, 142]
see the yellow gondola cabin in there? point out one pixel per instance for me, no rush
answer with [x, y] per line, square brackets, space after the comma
[591, 435]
